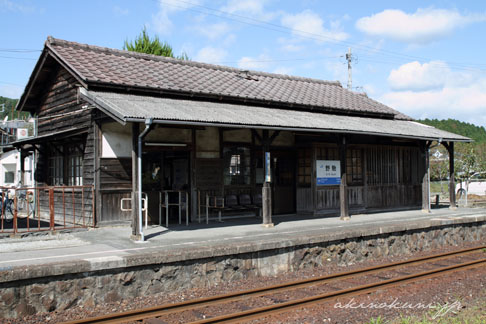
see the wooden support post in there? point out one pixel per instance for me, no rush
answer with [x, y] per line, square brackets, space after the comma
[452, 184]
[22, 168]
[51, 208]
[267, 204]
[135, 198]
[266, 189]
[426, 179]
[343, 187]
[96, 209]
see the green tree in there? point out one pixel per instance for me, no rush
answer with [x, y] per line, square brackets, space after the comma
[144, 44]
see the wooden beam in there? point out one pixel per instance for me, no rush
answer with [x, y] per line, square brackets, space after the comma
[266, 189]
[22, 168]
[425, 179]
[452, 184]
[343, 187]
[258, 137]
[273, 137]
[97, 176]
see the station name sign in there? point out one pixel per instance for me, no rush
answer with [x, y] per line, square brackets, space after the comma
[328, 172]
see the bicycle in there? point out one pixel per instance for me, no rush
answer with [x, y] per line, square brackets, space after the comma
[7, 207]
[25, 203]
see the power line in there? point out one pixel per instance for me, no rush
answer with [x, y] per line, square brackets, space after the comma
[304, 34]
[18, 58]
[19, 50]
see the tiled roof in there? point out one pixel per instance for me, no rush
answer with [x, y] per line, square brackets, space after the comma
[104, 66]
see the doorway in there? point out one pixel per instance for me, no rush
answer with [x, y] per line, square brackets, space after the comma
[283, 166]
[165, 170]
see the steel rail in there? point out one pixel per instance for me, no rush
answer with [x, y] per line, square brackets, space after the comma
[166, 309]
[308, 301]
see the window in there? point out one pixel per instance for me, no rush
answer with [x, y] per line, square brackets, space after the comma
[9, 177]
[75, 166]
[304, 167]
[354, 166]
[65, 165]
[237, 169]
[56, 166]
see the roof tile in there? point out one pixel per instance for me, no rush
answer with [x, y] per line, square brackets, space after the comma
[103, 65]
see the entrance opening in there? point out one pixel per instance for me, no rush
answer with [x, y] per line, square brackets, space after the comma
[166, 171]
[283, 166]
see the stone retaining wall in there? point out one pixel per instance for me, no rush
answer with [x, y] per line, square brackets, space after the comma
[49, 292]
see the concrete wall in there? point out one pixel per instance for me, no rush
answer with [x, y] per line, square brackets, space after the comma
[10, 162]
[60, 286]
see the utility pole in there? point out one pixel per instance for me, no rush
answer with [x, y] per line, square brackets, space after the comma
[349, 58]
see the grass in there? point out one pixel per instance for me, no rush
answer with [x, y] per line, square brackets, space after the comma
[437, 188]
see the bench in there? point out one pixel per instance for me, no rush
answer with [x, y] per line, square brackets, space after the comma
[230, 203]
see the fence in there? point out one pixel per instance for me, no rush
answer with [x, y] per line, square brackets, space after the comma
[35, 209]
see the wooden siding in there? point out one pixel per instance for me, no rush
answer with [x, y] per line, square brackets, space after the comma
[304, 200]
[115, 174]
[110, 207]
[328, 198]
[115, 184]
[61, 110]
[70, 206]
[392, 177]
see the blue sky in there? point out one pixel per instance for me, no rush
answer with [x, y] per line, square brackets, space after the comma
[425, 59]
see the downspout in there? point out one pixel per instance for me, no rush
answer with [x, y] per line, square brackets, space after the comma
[148, 126]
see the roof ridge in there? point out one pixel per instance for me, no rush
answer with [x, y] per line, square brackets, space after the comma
[56, 41]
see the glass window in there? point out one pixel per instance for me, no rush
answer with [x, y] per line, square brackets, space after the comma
[56, 168]
[304, 167]
[354, 166]
[237, 169]
[9, 177]
[65, 164]
[75, 166]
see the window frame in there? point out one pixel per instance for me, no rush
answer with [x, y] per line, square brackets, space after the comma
[243, 159]
[65, 164]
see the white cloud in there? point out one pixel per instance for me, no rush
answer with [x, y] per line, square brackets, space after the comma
[213, 31]
[283, 70]
[118, 11]
[425, 91]
[250, 8]
[428, 76]
[161, 20]
[309, 24]
[290, 44]
[260, 62]
[338, 70]
[8, 5]
[421, 27]
[210, 55]
[415, 76]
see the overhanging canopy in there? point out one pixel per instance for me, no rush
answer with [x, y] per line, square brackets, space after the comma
[136, 108]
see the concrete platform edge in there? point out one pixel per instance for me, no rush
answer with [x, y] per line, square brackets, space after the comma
[11, 274]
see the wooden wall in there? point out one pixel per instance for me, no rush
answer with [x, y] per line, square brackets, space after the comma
[61, 110]
[391, 179]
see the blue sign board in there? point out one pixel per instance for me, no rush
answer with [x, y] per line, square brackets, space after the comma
[328, 172]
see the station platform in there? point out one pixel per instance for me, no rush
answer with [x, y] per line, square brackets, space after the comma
[111, 247]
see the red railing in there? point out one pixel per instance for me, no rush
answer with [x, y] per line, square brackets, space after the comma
[34, 209]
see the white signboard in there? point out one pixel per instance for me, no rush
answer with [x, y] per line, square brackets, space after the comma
[328, 172]
[22, 133]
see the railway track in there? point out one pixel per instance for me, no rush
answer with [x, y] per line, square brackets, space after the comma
[418, 269]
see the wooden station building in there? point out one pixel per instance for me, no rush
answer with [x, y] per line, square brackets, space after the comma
[204, 130]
